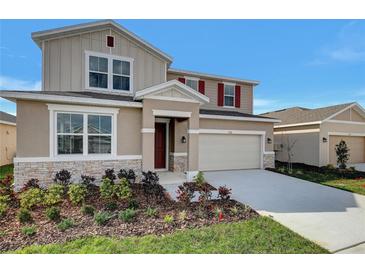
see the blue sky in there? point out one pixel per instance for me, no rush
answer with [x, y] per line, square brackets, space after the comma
[308, 63]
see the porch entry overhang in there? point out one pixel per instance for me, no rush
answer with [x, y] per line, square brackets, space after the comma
[170, 123]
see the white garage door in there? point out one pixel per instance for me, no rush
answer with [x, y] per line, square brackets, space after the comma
[226, 152]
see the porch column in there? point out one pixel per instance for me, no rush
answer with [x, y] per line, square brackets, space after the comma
[148, 140]
[193, 148]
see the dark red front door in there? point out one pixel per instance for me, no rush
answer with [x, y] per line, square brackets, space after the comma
[160, 145]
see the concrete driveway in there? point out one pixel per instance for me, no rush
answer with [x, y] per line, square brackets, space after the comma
[332, 218]
[359, 167]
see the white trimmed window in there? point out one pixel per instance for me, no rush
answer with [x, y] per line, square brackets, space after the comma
[228, 95]
[83, 131]
[192, 82]
[108, 72]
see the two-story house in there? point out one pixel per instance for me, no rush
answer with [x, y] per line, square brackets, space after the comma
[110, 99]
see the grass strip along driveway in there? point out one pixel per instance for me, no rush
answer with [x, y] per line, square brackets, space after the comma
[259, 235]
[326, 177]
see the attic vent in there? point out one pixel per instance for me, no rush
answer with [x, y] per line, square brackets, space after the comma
[110, 41]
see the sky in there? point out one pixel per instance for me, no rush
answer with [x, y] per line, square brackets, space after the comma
[309, 63]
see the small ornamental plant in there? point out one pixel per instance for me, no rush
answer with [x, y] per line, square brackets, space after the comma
[130, 175]
[224, 193]
[7, 186]
[205, 194]
[53, 213]
[63, 177]
[111, 206]
[127, 215]
[151, 212]
[54, 194]
[168, 219]
[199, 179]
[234, 210]
[77, 193]
[31, 198]
[218, 214]
[31, 183]
[133, 204]
[109, 173]
[184, 194]
[88, 210]
[106, 189]
[183, 215]
[123, 190]
[4, 204]
[65, 224]
[343, 155]
[24, 216]
[87, 180]
[29, 230]
[102, 217]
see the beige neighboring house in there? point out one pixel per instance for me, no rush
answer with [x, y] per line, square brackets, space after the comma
[316, 132]
[7, 138]
[110, 99]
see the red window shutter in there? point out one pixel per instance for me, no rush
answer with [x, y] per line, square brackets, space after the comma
[201, 87]
[237, 96]
[220, 94]
[182, 80]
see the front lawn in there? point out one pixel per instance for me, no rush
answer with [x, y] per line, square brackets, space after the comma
[258, 235]
[326, 176]
[5, 170]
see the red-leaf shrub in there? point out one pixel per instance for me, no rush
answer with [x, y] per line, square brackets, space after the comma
[224, 193]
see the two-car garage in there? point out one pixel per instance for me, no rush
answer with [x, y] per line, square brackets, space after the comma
[229, 150]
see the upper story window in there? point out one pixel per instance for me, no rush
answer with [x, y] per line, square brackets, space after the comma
[108, 72]
[228, 95]
[193, 83]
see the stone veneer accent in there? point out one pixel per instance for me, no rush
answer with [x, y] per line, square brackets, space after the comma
[45, 171]
[269, 160]
[178, 163]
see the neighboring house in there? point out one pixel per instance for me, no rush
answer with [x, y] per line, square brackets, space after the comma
[110, 100]
[316, 132]
[7, 138]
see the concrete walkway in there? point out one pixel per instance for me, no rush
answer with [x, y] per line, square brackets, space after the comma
[332, 218]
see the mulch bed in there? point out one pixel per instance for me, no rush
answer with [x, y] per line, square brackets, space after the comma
[193, 186]
[11, 237]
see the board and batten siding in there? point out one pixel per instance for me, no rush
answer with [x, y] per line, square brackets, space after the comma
[211, 90]
[64, 60]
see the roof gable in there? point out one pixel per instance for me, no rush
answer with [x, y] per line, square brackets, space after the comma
[40, 36]
[172, 91]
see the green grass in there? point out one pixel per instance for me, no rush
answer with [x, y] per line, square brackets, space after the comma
[328, 179]
[259, 235]
[7, 169]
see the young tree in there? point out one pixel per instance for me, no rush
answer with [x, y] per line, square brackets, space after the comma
[289, 148]
[343, 155]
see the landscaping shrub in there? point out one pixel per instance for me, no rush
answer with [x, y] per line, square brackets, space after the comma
[205, 195]
[343, 155]
[32, 183]
[151, 186]
[87, 180]
[185, 194]
[106, 189]
[168, 219]
[76, 193]
[102, 217]
[129, 175]
[65, 224]
[109, 173]
[63, 177]
[218, 212]
[199, 179]
[29, 230]
[123, 190]
[111, 206]
[234, 210]
[88, 210]
[224, 193]
[7, 186]
[54, 194]
[3, 209]
[127, 215]
[53, 213]
[24, 216]
[31, 198]
[151, 212]
[133, 204]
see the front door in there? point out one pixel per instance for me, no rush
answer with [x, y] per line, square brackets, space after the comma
[160, 145]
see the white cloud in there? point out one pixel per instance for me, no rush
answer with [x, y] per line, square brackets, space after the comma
[10, 83]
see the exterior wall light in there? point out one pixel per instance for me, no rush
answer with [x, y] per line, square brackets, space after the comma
[324, 140]
[269, 141]
[183, 139]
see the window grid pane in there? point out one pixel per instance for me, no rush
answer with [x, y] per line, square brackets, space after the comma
[192, 83]
[99, 134]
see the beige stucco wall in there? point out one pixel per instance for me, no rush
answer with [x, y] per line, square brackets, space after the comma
[7, 143]
[33, 130]
[240, 125]
[339, 128]
[211, 90]
[64, 61]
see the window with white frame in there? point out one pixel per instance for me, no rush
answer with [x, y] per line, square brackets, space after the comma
[193, 83]
[108, 72]
[228, 95]
[83, 133]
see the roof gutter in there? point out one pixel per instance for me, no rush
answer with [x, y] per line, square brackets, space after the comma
[299, 124]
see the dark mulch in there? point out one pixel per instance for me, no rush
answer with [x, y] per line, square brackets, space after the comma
[193, 186]
[47, 232]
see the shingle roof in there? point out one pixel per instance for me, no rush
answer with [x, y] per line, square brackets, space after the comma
[297, 115]
[230, 113]
[7, 117]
